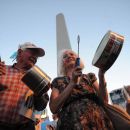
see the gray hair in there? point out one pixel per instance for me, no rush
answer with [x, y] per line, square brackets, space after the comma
[61, 67]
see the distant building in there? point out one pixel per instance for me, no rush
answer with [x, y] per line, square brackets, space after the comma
[120, 96]
[62, 37]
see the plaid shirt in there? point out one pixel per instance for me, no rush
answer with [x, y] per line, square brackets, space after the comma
[12, 95]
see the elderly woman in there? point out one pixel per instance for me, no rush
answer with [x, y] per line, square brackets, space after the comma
[75, 97]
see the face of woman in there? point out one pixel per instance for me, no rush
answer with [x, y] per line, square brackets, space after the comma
[69, 58]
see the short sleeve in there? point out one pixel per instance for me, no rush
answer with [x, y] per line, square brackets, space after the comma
[54, 83]
[92, 77]
[60, 83]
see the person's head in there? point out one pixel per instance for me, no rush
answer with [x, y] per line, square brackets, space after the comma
[28, 54]
[67, 59]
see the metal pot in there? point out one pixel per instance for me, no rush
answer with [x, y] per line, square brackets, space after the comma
[37, 80]
[108, 50]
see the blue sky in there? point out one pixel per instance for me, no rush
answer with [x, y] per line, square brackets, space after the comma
[35, 21]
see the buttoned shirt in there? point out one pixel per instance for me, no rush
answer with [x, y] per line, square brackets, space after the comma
[12, 95]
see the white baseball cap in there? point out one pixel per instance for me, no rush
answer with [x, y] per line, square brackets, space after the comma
[29, 45]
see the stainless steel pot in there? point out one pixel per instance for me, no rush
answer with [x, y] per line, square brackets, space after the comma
[37, 80]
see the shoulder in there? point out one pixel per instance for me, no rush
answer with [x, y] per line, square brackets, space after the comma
[58, 78]
[59, 81]
[9, 68]
[91, 76]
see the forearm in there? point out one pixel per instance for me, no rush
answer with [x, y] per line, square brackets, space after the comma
[103, 87]
[103, 92]
[57, 103]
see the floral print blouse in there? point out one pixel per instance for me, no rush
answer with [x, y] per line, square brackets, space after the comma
[82, 110]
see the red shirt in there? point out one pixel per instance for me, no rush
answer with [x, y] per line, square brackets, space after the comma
[12, 95]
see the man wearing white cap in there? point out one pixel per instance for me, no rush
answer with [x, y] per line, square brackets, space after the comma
[13, 91]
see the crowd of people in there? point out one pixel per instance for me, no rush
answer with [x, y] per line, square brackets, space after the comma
[76, 98]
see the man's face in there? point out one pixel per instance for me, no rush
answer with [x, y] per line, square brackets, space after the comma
[28, 58]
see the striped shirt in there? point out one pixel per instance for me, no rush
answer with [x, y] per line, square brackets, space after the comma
[12, 95]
